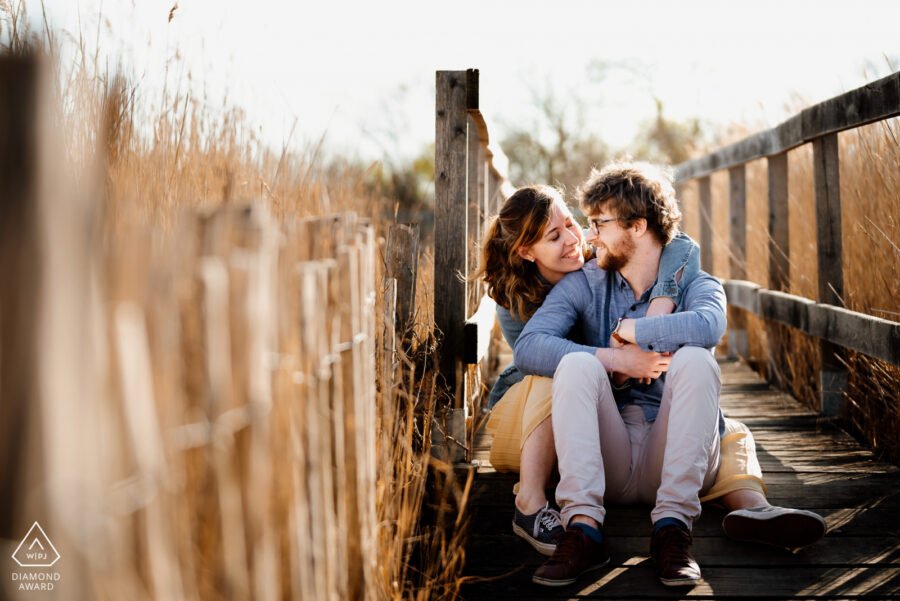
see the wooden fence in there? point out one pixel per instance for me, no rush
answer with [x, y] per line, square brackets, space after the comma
[470, 185]
[835, 327]
[187, 415]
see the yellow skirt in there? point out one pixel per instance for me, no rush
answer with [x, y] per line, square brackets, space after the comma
[527, 403]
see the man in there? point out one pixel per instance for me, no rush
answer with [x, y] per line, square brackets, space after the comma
[654, 440]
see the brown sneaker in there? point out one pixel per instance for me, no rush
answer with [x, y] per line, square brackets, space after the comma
[670, 548]
[576, 553]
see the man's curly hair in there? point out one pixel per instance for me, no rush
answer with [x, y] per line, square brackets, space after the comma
[632, 190]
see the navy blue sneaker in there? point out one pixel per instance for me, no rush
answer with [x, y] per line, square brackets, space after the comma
[542, 529]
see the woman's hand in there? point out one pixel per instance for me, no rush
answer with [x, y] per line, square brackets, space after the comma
[661, 305]
[631, 361]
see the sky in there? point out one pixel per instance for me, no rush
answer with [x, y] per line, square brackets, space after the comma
[361, 74]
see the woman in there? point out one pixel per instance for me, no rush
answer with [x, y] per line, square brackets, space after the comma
[531, 245]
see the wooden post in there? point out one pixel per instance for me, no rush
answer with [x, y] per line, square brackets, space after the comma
[706, 226]
[388, 350]
[475, 200]
[20, 269]
[48, 357]
[779, 232]
[737, 201]
[402, 260]
[450, 225]
[484, 187]
[833, 374]
[493, 189]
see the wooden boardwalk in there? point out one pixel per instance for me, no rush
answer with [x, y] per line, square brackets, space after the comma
[806, 462]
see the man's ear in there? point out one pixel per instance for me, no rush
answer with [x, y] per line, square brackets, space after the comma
[639, 226]
[525, 253]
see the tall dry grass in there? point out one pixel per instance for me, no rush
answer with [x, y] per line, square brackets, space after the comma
[194, 158]
[870, 216]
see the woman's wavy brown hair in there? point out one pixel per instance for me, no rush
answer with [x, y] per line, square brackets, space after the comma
[513, 282]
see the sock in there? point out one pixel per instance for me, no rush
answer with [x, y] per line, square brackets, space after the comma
[593, 533]
[670, 522]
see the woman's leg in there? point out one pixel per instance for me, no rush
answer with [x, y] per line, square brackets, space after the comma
[743, 499]
[739, 483]
[750, 516]
[537, 462]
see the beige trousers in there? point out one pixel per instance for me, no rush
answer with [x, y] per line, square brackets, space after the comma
[610, 456]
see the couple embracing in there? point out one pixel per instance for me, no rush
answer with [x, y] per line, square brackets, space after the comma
[614, 383]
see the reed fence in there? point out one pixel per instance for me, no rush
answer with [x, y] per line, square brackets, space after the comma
[188, 414]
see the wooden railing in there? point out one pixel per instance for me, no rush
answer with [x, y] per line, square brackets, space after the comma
[835, 327]
[469, 185]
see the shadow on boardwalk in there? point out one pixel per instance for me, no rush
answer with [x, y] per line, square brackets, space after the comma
[806, 463]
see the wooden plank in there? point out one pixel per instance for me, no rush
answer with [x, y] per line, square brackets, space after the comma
[833, 372]
[317, 425]
[864, 519]
[873, 336]
[637, 580]
[478, 330]
[752, 147]
[742, 294]
[738, 343]
[788, 309]
[450, 232]
[493, 192]
[828, 220]
[388, 351]
[401, 264]
[872, 102]
[711, 550]
[779, 232]
[706, 227]
[472, 89]
[21, 269]
[784, 489]
[475, 201]
[623, 522]
[51, 383]
[365, 407]
[737, 203]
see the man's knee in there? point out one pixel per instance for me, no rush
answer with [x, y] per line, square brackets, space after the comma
[579, 365]
[693, 358]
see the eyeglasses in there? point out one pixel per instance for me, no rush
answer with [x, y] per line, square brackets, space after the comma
[596, 223]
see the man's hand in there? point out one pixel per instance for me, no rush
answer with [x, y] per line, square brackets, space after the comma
[617, 377]
[636, 363]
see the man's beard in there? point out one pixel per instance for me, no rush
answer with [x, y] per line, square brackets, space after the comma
[616, 260]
